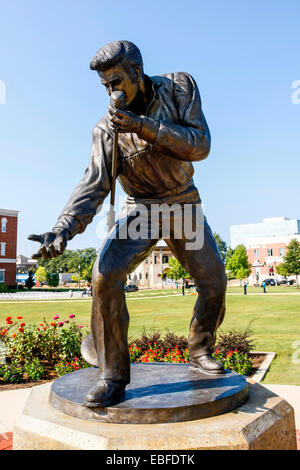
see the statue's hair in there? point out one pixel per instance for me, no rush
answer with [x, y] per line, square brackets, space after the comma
[114, 53]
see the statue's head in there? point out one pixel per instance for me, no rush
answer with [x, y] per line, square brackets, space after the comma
[120, 67]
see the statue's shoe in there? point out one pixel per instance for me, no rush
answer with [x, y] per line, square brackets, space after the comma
[104, 393]
[207, 365]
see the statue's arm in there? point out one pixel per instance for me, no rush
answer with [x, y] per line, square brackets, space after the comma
[86, 199]
[84, 202]
[190, 139]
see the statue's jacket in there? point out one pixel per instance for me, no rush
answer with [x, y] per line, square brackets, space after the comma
[156, 164]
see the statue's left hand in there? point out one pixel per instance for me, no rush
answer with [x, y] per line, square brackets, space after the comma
[123, 121]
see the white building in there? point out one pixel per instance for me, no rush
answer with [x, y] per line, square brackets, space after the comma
[152, 272]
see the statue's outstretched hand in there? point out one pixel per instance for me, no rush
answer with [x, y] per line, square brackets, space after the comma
[53, 244]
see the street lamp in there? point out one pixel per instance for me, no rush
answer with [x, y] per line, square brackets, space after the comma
[162, 268]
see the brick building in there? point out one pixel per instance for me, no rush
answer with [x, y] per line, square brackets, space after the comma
[266, 243]
[8, 246]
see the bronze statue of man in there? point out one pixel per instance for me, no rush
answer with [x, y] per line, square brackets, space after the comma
[162, 130]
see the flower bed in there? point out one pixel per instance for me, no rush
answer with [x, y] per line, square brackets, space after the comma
[34, 352]
[44, 351]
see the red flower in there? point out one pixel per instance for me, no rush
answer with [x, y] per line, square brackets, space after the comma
[19, 318]
[21, 330]
[3, 332]
[22, 324]
[14, 335]
[8, 318]
[53, 324]
[9, 322]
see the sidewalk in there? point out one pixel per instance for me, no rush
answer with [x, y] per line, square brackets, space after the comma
[291, 393]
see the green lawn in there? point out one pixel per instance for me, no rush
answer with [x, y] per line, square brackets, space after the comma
[275, 321]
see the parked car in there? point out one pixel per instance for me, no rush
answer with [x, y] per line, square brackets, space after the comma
[131, 288]
[270, 282]
[289, 282]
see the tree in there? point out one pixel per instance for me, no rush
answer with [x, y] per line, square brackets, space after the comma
[52, 279]
[70, 261]
[176, 270]
[41, 274]
[292, 259]
[222, 245]
[282, 270]
[30, 281]
[238, 264]
[87, 272]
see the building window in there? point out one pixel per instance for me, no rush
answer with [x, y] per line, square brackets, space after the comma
[3, 225]
[129, 277]
[155, 259]
[2, 275]
[146, 260]
[256, 253]
[165, 259]
[3, 249]
[281, 251]
[270, 252]
[147, 276]
[140, 276]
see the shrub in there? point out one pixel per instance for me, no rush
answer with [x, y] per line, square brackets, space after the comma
[33, 370]
[3, 287]
[11, 373]
[134, 353]
[70, 340]
[152, 354]
[234, 339]
[63, 367]
[234, 360]
[169, 341]
[47, 342]
[177, 355]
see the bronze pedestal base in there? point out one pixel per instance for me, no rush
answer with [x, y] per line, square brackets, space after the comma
[157, 393]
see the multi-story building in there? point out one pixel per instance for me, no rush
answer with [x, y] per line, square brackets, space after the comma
[8, 246]
[152, 272]
[266, 243]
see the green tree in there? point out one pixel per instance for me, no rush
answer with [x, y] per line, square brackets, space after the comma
[41, 274]
[238, 264]
[70, 261]
[87, 272]
[176, 270]
[292, 259]
[30, 281]
[222, 245]
[52, 279]
[282, 270]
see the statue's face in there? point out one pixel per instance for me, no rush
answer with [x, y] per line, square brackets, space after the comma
[122, 78]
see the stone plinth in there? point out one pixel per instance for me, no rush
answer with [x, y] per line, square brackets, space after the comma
[157, 393]
[265, 421]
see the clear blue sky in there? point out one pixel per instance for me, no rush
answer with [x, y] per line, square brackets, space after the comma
[244, 56]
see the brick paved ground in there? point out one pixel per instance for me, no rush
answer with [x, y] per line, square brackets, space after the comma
[6, 442]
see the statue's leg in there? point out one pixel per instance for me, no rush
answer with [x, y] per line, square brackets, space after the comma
[110, 318]
[207, 269]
